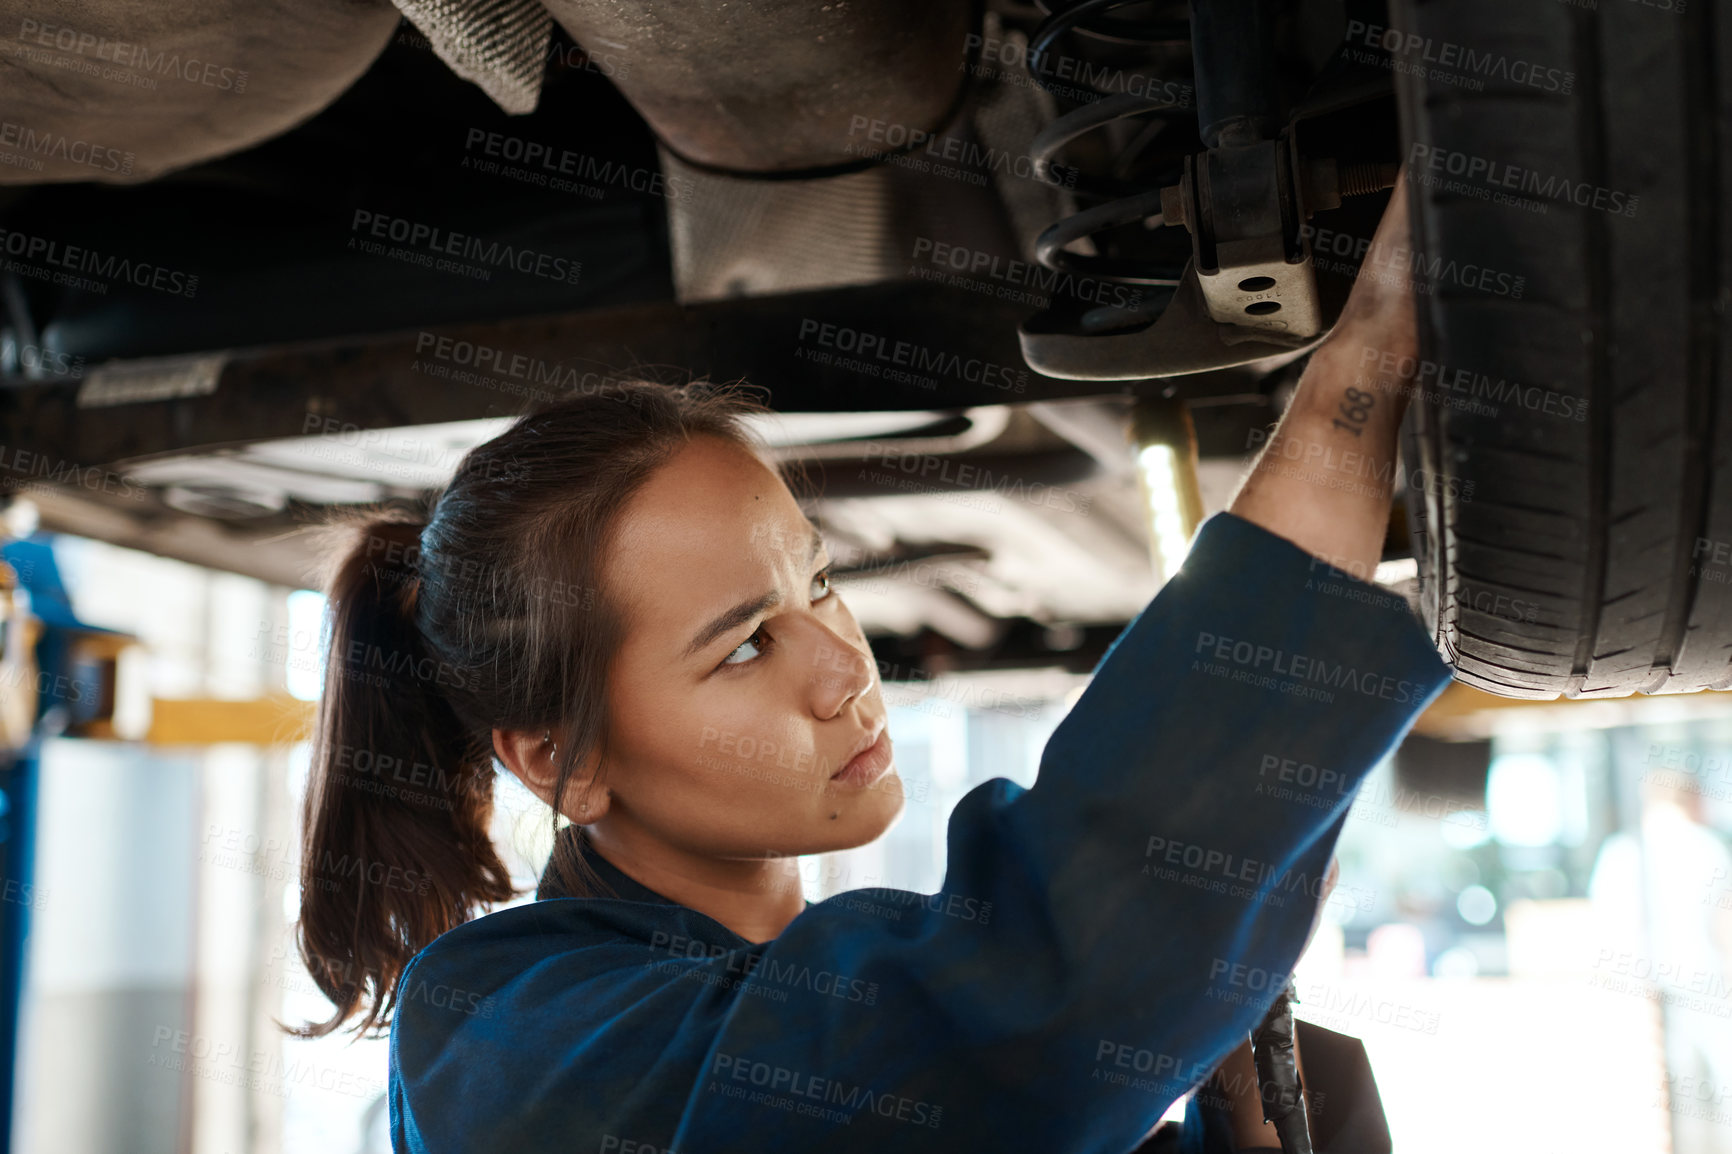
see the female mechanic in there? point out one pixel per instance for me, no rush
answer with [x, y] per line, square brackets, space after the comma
[619, 602]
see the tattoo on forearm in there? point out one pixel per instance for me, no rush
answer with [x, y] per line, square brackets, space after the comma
[1356, 407]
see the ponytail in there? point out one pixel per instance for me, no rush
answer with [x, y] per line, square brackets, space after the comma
[395, 847]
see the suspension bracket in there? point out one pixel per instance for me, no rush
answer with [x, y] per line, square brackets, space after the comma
[1244, 205]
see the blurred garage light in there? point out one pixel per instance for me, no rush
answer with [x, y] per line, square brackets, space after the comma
[1456, 962]
[1167, 533]
[20, 518]
[1476, 905]
[1167, 472]
[1524, 800]
[132, 701]
[1464, 829]
[306, 668]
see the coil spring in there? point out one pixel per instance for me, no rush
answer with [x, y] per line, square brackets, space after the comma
[1129, 202]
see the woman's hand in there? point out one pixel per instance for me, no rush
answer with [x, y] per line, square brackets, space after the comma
[1380, 311]
[1324, 478]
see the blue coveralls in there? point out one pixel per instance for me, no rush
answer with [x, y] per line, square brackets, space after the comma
[1071, 980]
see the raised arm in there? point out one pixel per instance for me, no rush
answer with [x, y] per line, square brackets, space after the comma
[1177, 839]
[1102, 940]
[1323, 478]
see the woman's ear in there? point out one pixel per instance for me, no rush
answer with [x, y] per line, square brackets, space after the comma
[532, 760]
[528, 758]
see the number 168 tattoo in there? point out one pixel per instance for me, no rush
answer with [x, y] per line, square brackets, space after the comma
[1356, 407]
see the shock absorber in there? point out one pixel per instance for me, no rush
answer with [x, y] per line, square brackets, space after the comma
[1241, 189]
[1240, 198]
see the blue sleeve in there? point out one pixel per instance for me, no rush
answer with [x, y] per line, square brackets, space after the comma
[1092, 952]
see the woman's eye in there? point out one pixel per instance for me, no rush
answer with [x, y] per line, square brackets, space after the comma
[755, 641]
[752, 648]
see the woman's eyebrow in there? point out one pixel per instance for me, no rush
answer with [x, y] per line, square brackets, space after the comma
[746, 610]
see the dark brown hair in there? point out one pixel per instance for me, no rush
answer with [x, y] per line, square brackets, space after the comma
[482, 609]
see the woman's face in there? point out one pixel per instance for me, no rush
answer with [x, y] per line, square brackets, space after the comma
[743, 686]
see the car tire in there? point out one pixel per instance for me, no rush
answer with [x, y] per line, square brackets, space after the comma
[1568, 445]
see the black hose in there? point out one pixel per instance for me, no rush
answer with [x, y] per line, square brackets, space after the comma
[1278, 1075]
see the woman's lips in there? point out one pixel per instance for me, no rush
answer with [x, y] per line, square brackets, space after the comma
[867, 766]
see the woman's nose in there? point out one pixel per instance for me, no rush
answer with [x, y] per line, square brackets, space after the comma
[840, 672]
